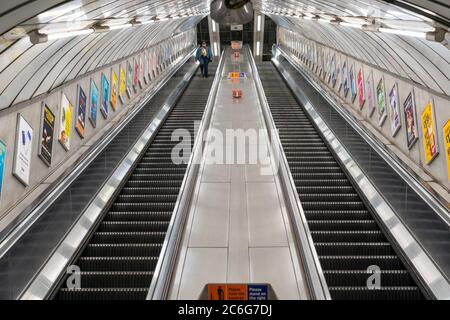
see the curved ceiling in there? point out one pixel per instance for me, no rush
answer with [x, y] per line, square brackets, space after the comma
[28, 70]
[422, 61]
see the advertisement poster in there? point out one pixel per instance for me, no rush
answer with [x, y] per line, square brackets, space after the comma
[361, 91]
[129, 79]
[80, 125]
[345, 78]
[353, 88]
[333, 71]
[338, 78]
[150, 66]
[2, 165]
[145, 68]
[410, 121]
[114, 86]
[47, 131]
[370, 95]
[429, 133]
[135, 75]
[123, 84]
[94, 104]
[395, 111]
[105, 97]
[381, 102]
[65, 122]
[22, 156]
[141, 72]
[446, 141]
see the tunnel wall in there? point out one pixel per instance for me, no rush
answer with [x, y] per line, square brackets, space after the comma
[438, 168]
[169, 52]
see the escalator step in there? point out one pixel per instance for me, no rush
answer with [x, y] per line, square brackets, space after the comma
[103, 294]
[384, 293]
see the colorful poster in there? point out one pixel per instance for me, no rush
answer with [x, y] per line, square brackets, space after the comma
[145, 68]
[429, 133]
[141, 72]
[22, 156]
[114, 86]
[2, 165]
[123, 85]
[361, 91]
[446, 141]
[345, 78]
[105, 97]
[47, 131]
[370, 95]
[381, 102]
[333, 71]
[129, 79]
[353, 88]
[410, 121]
[135, 75]
[394, 111]
[65, 122]
[94, 104]
[80, 125]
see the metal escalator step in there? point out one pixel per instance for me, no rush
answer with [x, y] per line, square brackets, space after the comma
[117, 263]
[344, 205]
[339, 278]
[348, 236]
[122, 250]
[143, 206]
[354, 248]
[103, 294]
[128, 237]
[384, 293]
[153, 184]
[133, 226]
[138, 216]
[342, 225]
[150, 190]
[361, 262]
[147, 198]
[346, 197]
[115, 279]
[337, 214]
[325, 189]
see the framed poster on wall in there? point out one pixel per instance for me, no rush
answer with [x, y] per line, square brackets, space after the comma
[45, 150]
[333, 71]
[135, 75]
[80, 124]
[114, 89]
[23, 148]
[394, 110]
[381, 102]
[145, 68]
[339, 78]
[370, 95]
[122, 85]
[2, 166]
[361, 89]
[409, 110]
[345, 78]
[94, 104]
[65, 122]
[430, 145]
[446, 130]
[105, 97]
[141, 72]
[353, 88]
[129, 79]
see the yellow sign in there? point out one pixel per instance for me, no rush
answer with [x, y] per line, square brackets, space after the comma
[234, 75]
[114, 84]
[227, 292]
[122, 82]
[429, 133]
[447, 146]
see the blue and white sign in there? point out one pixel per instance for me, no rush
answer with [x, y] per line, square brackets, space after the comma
[24, 144]
[258, 292]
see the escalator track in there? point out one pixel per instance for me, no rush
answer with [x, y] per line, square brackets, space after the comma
[120, 258]
[346, 236]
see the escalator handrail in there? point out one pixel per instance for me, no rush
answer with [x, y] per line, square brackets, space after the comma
[44, 283]
[313, 270]
[162, 276]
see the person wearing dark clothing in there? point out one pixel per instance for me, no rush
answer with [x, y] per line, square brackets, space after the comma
[204, 56]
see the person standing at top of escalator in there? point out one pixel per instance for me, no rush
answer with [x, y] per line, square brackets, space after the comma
[204, 56]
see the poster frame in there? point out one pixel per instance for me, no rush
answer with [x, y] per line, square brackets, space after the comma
[370, 95]
[66, 146]
[80, 127]
[24, 180]
[433, 119]
[104, 105]
[93, 109]
[4, 147]
[393, 93]
[40, 145]
[353, 88]
[114, 90]
[446, 146]
[122, 80]
[381, 116]
[411, 143]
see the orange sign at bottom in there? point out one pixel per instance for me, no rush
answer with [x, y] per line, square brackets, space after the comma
[227, 292]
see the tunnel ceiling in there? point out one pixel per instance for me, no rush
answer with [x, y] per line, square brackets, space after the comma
[28, 70]
[422, 61]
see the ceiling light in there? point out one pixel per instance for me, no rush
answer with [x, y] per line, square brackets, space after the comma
[351, 25]
[120, 26]
[36, 37]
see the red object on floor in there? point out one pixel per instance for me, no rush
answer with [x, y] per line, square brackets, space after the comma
[237, 93]
[237, 54]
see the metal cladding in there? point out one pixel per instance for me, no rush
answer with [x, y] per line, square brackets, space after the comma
[229, 12]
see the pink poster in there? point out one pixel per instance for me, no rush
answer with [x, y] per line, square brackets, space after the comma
[361, 93]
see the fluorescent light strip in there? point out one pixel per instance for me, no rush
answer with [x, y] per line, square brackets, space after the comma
[61, 35]
[216, 53]
[258, 48]
[213, 26]
[120, 26]
[408, 33]
[351, 25]
[259, 23]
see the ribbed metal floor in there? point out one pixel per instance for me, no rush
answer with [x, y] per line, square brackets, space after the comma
[346, 236]
[119, 260]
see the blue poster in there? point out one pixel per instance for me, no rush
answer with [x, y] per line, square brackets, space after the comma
[258, 292]
[2, 165]
[94, 104]
[105, 96]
